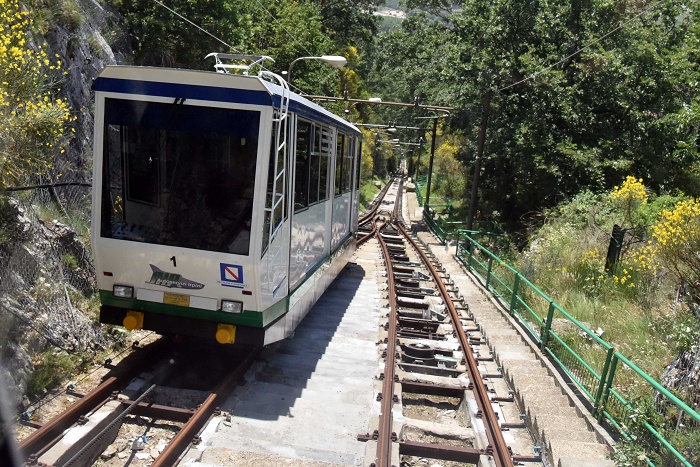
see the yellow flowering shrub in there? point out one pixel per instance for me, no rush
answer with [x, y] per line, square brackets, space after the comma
[629, 273]
[32, 121]
[677, 239]
[630, 195]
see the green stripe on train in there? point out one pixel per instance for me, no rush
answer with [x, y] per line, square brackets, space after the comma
[253, 319]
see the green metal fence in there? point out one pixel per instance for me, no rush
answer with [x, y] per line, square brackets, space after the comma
[442, 228]
[421, 182]
[662, 422]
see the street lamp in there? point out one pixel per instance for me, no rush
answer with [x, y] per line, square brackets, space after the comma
[336, 61]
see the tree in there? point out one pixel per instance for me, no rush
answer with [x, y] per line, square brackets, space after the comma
[160, 38]
[349, 22]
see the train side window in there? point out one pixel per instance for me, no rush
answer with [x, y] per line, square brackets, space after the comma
[315, 166]
[347, 165]
[339, 164]
[301, 166]
[326, 152]
[358, 164]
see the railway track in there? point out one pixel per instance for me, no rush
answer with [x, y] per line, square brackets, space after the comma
[78, 436]
[439, 395]
[424, 349]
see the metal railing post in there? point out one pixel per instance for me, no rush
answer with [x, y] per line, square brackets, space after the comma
[514, 297]
[597, 402]
[608, 387]
[544, 337]
[488, 272]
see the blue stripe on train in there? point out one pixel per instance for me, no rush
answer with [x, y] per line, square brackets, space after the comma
[208, 93]
[188, 91]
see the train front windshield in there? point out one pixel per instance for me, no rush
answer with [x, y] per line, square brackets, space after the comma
[179, 175]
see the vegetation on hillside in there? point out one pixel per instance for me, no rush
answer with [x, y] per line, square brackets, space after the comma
[33, 121]
[646, 304]
[584, 93]
[593, 121]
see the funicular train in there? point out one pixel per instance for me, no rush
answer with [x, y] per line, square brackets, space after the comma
[223, 204]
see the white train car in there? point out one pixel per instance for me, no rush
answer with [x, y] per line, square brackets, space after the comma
[223, 204]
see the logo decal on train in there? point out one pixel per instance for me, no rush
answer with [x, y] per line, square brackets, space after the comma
[231, 275]
[171, 280]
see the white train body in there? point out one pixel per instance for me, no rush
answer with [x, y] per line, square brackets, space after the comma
[223, 205]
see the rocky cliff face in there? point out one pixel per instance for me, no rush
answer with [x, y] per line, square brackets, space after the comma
[46, 273]
[86, 41]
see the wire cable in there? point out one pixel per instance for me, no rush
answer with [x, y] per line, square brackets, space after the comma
[584, 47]
[285, 29]
[196, 26]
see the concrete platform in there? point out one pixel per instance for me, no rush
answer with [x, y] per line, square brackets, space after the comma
[312, 394]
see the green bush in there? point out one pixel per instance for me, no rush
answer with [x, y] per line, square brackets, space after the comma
[368, 191]
[51, 370]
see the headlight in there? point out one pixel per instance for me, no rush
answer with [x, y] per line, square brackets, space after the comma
[228, 306]
[123, 291]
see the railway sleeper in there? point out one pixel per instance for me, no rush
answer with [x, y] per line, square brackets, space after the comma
[426, 315]
[416, 334]
[424, 327]
[412, 303]
[422, 290]
[410, 295]
[434, 370]
[441, 452]
[392, 239]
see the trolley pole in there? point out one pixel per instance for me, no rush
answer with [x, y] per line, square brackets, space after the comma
[486, 108]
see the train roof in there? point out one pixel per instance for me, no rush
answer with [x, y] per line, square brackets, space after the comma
[209, 86]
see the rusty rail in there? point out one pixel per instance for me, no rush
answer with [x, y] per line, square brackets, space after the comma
[386, 436]
[45, 437]
[181, 441]
[497, 444]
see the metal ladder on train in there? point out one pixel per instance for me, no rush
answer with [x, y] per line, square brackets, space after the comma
[280, 123]
[275, 205]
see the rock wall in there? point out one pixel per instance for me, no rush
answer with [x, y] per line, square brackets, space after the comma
[45, 262]
[85, 47]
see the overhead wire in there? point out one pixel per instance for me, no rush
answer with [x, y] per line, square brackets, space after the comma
[196, 25]
[590, 44]
[229, 45]
[283, 27]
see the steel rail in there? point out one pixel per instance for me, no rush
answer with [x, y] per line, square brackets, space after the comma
[181, 441]
[498, 447]
[50, 432]
[116, 422]
[371, 234]
[45, 437]
[385, 434]
[386, 437]
[375, 204]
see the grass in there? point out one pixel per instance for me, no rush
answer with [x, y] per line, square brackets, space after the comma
[50, 370]
[368, 191]
[638, 310]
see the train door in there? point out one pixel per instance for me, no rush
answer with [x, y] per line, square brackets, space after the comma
[276, 225]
